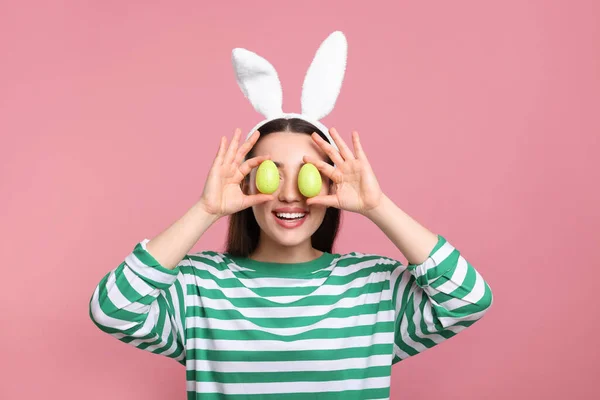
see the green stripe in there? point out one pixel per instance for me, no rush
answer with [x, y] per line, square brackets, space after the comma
[233, 282]
[150, 262]
[323, 333]
[195, 311]
[127, 290]
[256, 302]
[109, 308]
[411, 329]
[346, 395]
[445, 268]
[295, 355]
[290, 376]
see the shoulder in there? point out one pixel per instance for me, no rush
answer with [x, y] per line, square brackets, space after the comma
[203, 260]
[367, 260]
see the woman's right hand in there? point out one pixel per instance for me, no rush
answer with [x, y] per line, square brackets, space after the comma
[222, 194]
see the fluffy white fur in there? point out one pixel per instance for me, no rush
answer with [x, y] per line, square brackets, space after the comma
[324, 77]
[259, 82]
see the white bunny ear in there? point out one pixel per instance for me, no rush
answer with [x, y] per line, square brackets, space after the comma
[259, 82]
[324, 77]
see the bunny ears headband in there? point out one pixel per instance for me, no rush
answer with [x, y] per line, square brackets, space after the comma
[260, 84]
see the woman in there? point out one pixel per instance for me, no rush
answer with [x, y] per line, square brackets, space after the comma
[278, 315]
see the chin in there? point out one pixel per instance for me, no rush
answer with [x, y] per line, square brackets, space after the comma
[286, 236]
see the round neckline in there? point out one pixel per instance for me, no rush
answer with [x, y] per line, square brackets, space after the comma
[279, 269]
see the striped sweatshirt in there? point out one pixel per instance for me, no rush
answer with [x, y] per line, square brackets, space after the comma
[330, 328]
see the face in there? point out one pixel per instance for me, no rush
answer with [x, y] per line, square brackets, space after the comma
[286, 150]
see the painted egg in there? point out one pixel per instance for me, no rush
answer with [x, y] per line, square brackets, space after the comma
[309, 180]
[267, 177]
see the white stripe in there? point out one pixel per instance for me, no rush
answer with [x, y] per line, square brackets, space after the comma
[164, 337]
[417, 319]
[286, 282]
[403, 333]
[289, 387]
[478, 291]
[290, 366]
[442, 253]
[177, 309]
[162, 341]
[458, 277]
[138, 284]
[436, 259]
[404, 279]
[150, 321]
[219, 258]
[276, 345]
[395, 274]
[453, 303]
[400, 353]
[150, 325]
[335, 262]
[324, 290]
[351, 269]
[473, 297]
[291, 311]
[280, 282]
[449, 321]
[146, 271]
[253, 283]
[102, 319]
[428, 318]
[421, 269]
[327, 323]
[402, 285]
[238, 268]
[119, 300]
[455, 328]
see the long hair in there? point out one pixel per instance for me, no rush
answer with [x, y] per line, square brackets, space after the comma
[244, 233]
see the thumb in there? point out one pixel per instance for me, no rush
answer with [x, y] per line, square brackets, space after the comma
[328, 200]
[254, 199]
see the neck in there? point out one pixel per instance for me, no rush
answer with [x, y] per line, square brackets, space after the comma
[270, 251]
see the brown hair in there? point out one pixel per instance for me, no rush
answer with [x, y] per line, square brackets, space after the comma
[244, 233]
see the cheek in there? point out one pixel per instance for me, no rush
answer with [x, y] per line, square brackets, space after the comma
[260, 214]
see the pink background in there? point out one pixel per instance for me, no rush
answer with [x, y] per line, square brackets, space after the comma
[481, 121]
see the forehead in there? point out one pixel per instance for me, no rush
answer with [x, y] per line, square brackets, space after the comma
[288, 145]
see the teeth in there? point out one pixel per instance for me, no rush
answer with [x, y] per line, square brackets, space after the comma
[290, 215]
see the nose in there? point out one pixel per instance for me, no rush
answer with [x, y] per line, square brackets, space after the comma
[288, 191]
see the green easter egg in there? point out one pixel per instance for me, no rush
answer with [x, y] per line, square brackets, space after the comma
[309, 180]
[267, 177]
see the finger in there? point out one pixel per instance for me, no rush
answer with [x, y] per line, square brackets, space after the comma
[333, 154]
[246, 147]
[327, 169]
[221, 151]
[252, 163]
[360, 153]
[344, 149]
[254, 199]
[327, 200]
[232, 147]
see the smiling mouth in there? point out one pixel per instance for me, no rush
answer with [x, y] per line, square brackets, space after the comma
[290, 220]
[290, 216]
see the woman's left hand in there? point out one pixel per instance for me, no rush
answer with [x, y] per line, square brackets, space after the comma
[355, 186]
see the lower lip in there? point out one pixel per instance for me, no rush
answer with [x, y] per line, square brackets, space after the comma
[289, 224]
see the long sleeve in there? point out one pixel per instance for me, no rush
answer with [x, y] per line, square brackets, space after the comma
[143, 304]
[435, 300]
